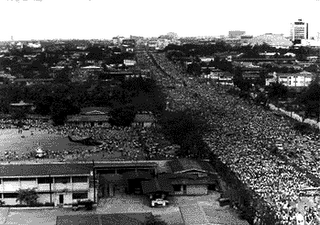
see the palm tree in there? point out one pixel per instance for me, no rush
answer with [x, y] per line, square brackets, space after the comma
[27, 196]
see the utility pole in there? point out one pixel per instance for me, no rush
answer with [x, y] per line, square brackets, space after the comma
[94, 182]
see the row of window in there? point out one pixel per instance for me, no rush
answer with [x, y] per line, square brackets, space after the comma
[47, 180]
[78, 195]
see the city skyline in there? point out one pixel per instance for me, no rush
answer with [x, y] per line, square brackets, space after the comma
[104, 19]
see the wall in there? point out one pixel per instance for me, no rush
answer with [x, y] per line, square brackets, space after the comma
[11, 186]
[10, 201]
[197, 189]
[66, 189]
[43, 198]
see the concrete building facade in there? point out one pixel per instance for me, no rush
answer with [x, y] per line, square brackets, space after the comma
[299, 30]
[59, 184]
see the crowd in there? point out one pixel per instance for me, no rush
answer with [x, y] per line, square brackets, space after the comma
[132, 143]
[250, 141]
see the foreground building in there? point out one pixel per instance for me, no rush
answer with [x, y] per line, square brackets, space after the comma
[62, 183]
[55, 183]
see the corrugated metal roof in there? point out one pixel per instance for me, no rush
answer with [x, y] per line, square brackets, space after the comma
[95, 110]
[43, 169]
[185, 165]
[88, 118]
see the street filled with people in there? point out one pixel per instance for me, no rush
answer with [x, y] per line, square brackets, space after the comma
[263, 149]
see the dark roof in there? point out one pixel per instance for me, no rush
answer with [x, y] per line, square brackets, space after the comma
[137, 175]
[159, 184]
[88, 118]
[95, 110]
[189, 179]
[104, 219]
[34, 79]
[43, 169]
[186, 165]
[116, 164]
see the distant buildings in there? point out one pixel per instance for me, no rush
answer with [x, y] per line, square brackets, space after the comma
[236, 33]
[299, 31]
[274, 40]
[302, 79]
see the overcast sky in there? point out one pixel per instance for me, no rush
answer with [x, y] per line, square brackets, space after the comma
[104, 19]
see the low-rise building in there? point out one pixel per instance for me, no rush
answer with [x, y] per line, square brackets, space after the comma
[54, 183]
[293, 80]
[91, 117]
[144, 119]
[191, 177]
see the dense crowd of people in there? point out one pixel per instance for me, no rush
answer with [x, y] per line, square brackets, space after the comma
[250, 141]
[133, 143]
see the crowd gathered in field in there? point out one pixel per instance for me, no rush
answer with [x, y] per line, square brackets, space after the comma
[131, 143]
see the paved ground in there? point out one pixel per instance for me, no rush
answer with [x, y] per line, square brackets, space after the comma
[180, 209]
[125, 203]
[193, 214]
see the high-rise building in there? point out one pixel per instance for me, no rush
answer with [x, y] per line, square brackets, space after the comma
[299, 30]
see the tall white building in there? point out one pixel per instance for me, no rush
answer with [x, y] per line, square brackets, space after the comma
[299, 30]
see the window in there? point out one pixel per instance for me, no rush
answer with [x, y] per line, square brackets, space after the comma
[82, 195]
[79, 179]
[176, 187]
[10, 180]
[10, 195]
[28, 179]
[45, 180]
[62, 180]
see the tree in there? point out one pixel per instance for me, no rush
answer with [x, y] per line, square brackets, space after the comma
[185, 128]
[27, 196]
[276, 91]
[122, 115]
[63, 76]
[310, 99]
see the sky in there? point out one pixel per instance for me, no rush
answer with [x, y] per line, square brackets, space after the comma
[104, 19]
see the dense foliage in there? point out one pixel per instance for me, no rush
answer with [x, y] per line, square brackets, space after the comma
[185, 128]
[27, 196]
[61, 99]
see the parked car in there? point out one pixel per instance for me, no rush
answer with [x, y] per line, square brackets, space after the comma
[159, 201]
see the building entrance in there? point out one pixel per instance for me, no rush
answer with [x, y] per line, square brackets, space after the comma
[61, 199]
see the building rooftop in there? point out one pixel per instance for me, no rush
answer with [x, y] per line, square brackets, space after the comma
[185, 165]
[95, 110]
[18, 170]
[88, 118]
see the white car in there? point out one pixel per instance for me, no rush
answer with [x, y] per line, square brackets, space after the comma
[159, 201]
